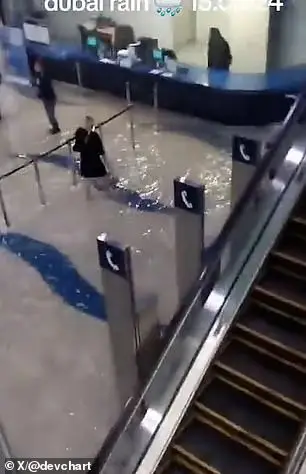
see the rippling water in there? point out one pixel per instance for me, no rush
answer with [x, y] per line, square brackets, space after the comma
[159, 157]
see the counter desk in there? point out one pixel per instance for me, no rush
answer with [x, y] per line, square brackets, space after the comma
[224, 97]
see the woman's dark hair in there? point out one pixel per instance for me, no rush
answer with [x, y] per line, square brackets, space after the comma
[215, 35]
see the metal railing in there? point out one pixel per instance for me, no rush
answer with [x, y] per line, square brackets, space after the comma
[267, 168]
[34, 161]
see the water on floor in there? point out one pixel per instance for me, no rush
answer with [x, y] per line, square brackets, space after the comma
[55, 360]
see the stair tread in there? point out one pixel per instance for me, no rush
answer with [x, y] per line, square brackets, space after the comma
[282, 330]
[299, 217]
[222, 452]
[300, 210]
[292, 247]
[279, 285]
[173, 468]
[265, 370]
[247, 412]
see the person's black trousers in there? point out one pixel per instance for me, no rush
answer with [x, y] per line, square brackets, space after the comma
[50, 111]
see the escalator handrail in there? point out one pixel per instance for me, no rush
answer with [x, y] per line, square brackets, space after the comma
[267, 166]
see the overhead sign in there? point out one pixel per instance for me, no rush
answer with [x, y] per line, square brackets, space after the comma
[113, 257]
[245, 150]
[189, 196]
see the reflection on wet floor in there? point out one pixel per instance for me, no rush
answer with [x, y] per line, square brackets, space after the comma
[173, 151]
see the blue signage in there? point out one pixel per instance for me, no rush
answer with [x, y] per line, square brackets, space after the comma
[113, 257]
[245, 150]
[189, 196]
[16, 59]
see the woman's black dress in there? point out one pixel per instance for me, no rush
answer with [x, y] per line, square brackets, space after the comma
[219, 53]
[91, 149]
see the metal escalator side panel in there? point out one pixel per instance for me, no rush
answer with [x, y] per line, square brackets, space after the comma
[231, 290]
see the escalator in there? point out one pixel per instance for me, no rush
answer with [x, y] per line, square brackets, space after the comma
[248, 413]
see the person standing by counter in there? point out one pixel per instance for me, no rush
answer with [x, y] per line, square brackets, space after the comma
[47, 95]
[219, 53]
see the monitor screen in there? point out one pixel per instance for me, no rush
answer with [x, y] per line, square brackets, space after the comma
[92, 41]
[158, 54]
[36, 33]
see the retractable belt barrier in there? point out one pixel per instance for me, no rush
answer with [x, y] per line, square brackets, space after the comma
[34, 161]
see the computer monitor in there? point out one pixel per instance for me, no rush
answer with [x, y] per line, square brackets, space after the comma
[92, 41]
[145, 49]
[36, 33]
[158, 55]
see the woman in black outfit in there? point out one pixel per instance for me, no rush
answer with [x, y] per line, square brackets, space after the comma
[89, 144]
[219, 53]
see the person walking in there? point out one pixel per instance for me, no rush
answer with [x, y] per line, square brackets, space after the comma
[47, 95]
[92, 153]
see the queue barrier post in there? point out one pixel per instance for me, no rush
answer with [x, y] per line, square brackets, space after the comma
[78, 74]
[189, 202]
[246, 154]
[4, 210]
[133, 324]
[74, 171]
[41, 193]
[155, 105]
[131, 124]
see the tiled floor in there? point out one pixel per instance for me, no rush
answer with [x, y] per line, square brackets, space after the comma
[57, 381]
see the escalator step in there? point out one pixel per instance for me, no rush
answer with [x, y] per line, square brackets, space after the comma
[174, 468]
[249, 413]
[292, 243]
[300, 210]
[284, 380]
[224, 454]
[279, 291]
[291, 252]
[284, 333]
[181, 465]
[297, 224]
[289, 315]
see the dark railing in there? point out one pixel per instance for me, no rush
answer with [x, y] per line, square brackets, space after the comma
[267, 168]
[35, 159]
